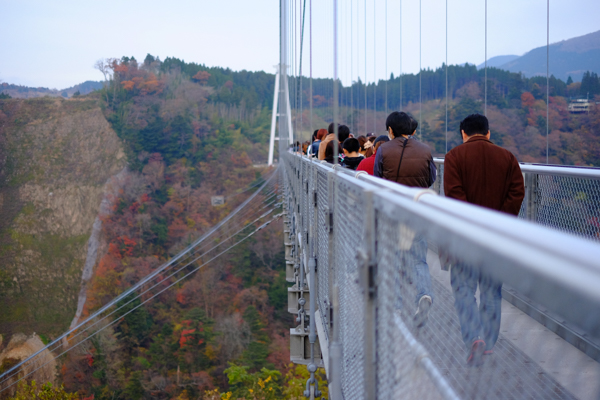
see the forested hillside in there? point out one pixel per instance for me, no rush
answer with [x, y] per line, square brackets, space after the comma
[516, 107]
[188, 134]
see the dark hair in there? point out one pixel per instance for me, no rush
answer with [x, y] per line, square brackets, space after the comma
[475, 124]
[329, 150]
[414, 124]
[343, 133]
[314, 136]
[361, 141]
[401, 123]
[382, 138]
[351, 145]
[332, 127]
[372, 138]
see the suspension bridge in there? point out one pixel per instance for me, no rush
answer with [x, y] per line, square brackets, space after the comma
[347, 234]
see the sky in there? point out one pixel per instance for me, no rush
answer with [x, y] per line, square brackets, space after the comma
[55, 43]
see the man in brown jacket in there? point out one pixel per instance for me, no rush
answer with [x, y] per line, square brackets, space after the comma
[403, 159]
[481, 173]
[409, 162]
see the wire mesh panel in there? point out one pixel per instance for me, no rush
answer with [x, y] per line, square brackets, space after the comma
[305, 177]
[569, 204]
[348, 227]
[322, 247]
[445, 260]
[398, 372]
[517, 357]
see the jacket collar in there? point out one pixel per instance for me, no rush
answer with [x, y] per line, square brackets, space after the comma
[477, 139]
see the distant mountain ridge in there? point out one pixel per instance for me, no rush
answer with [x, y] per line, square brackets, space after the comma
[497, 61]
[572, 57]
[25, 92]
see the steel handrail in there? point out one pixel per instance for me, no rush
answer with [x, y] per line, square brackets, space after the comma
[556, 170]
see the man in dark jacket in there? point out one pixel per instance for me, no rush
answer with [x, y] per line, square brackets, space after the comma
[479, 172]
[409, 162]
[403, 159]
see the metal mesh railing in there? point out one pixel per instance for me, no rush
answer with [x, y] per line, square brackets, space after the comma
[379, 251]
[322, 247]
[570, 204]
[560, 197]
[348, 238]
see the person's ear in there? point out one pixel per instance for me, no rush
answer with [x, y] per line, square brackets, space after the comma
[488, 135]
[465, 137]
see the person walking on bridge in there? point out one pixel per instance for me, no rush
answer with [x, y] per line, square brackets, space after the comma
[320, 135]
[368, 163]
[409, 162]
[481, 173]
[328, 138]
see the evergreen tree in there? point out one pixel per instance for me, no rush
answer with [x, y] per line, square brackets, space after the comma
[590, 85]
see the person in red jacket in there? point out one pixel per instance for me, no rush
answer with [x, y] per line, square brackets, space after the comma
[481, 173]
[368, 163]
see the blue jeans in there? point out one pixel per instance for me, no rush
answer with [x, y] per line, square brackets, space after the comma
[413, 263]
[485, 321]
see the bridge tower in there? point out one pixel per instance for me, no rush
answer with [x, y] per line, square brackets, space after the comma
[281, 109]
[281, 97]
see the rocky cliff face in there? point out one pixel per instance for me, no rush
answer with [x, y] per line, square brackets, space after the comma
[55, 158]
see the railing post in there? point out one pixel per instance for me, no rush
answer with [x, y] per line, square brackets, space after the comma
[531, 196]
[331, 249]
[335, 346]
[438, 185]
[368, 277]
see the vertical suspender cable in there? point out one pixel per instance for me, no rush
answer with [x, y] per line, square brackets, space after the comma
[485, 84]
[342, 65]
[366, 129]
[352, 66]
[292, 63]
[335, 81]
[374, 68]
[446, 76]
[420, 78]
[357, 56]
[303, 14]
[386, 63]
[310, 68]
[547, 78]
[400, 19]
